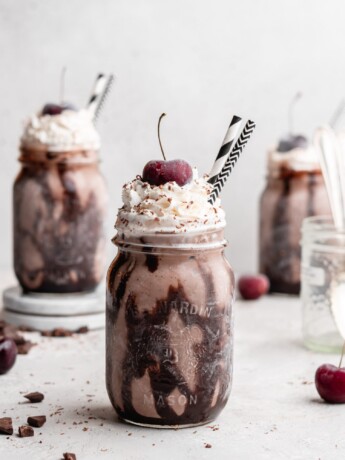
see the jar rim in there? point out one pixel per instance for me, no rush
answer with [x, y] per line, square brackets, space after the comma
[32, 155]
[321, 224]
[210, 239]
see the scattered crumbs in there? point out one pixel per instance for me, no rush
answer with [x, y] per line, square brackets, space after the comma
[85, 428]
[213, 427]
[305, 382]
[208, 446]
[153, 444]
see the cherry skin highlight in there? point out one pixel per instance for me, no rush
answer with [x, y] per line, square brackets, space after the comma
[292, 142]
[252, 287]
[159, 172]
[56, 109]
[8, 354]
[330, 383]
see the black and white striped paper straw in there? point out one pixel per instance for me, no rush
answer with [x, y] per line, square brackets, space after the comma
[226, 147]
[97, 90]
[222, 177]
[104, 96]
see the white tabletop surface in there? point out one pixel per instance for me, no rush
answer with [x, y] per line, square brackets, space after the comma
[273, 413]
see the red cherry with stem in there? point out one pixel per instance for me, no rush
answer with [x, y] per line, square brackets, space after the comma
[330, 382]
[159, 172]
[56, 109]
[8, 354]
[252, 287]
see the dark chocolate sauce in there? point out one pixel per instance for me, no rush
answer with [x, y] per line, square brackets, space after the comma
[312, 183]
[63, 253]
[147, 344]
[151, 259]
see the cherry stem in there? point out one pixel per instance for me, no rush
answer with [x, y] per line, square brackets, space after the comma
[159, 135]
[342, 355]
[291, 110]
[62, 84]
[337, 114]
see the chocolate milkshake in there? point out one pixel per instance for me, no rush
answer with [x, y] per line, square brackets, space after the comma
[60, 201]
[294, 190]
[169, 304]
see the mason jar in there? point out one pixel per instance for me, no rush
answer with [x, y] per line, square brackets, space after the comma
[323, 283]
[59, 206]
[289, 197]
[169, 328]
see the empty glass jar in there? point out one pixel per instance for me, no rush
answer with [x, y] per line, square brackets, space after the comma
[323, 283]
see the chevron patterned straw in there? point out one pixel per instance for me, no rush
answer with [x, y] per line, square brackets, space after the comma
[97, 90]
[225, 149]
[222, 177]
[104, 96]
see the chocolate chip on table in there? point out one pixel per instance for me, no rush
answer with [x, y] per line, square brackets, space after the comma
[62, 332]
[10, 331]
[58, 332]
[208, 446]
[24, 348]
[37, 421]
[34, 397]
[25, 431]
[69, 456]
[6, 425]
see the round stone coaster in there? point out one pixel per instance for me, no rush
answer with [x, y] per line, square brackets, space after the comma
[42, 323]
[54, 304]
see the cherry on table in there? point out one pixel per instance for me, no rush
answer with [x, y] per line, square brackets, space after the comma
[330, 383]
[159, 172]
[8, 354]
[252, 287]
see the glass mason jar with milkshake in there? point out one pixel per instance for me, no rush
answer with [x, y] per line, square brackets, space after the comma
[295, 190]
[60, 202]
[169, 295]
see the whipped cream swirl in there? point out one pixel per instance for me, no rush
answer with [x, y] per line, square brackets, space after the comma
[168, 208]
[298, 159]
[70, 130]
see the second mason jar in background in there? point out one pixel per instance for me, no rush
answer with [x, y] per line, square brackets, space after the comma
[295, 189]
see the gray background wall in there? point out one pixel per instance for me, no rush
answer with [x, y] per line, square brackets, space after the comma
[197, 60]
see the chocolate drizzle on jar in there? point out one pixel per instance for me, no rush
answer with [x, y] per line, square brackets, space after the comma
[59, 210]
[286, 201]
[168, 362]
